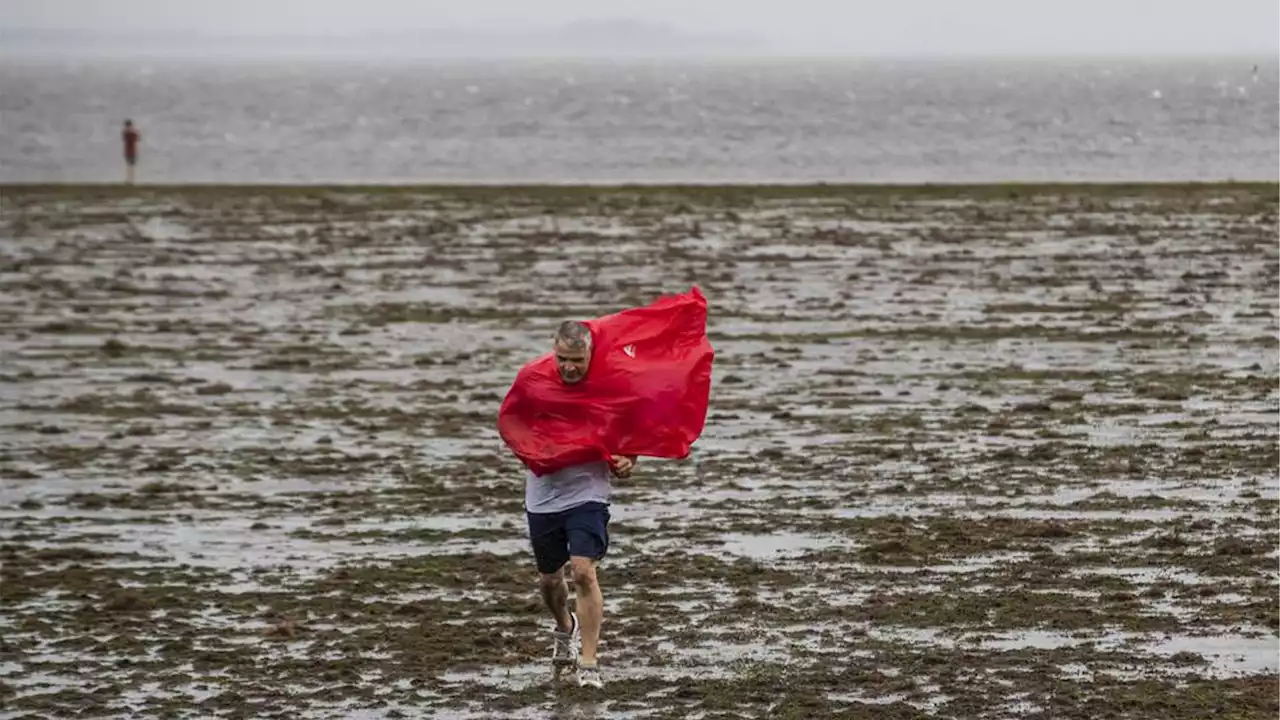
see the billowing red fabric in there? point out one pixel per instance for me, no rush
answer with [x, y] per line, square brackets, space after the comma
[645, 391]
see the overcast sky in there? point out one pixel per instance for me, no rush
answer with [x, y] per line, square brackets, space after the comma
[791, 26]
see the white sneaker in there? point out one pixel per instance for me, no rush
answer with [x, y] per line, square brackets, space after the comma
[589, 676]
[565, 651]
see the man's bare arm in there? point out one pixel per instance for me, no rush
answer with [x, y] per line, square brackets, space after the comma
[623, 465]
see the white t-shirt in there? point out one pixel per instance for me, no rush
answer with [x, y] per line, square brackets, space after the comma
[567, 488]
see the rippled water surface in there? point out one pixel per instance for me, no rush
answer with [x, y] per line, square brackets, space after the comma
[726, 121]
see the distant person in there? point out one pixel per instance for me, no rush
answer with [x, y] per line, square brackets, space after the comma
[131, 138]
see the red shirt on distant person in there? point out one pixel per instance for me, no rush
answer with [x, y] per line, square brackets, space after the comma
[131, 138]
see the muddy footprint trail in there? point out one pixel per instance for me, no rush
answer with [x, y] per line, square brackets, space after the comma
[972, 453]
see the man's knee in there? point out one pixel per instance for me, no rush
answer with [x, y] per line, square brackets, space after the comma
[550, 581]
[584, 572]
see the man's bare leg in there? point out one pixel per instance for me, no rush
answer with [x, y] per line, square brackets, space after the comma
[129, 173]
[590, 605]
[556, 595]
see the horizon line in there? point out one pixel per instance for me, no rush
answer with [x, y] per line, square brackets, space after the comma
[638, 54]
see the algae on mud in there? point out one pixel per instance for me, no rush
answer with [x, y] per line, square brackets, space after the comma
[991, 452]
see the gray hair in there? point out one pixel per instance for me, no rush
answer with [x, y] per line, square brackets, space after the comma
[573, 335]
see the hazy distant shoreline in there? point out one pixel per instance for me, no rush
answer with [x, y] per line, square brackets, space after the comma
[590, 40]
[745, 55]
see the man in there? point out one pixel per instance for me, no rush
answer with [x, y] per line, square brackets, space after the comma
[568, 515]
[130, 136]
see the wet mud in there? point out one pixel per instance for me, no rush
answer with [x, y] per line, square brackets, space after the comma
[971, 453]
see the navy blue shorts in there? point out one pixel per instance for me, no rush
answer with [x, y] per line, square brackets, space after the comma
[581, 531]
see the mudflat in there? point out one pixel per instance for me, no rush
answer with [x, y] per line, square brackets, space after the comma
[973, 452]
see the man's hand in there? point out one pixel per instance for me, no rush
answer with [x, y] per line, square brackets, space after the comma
[622, 466]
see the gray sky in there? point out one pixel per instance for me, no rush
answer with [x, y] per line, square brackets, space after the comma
[790, 26]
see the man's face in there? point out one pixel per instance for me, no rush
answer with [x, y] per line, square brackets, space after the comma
[572, 362]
